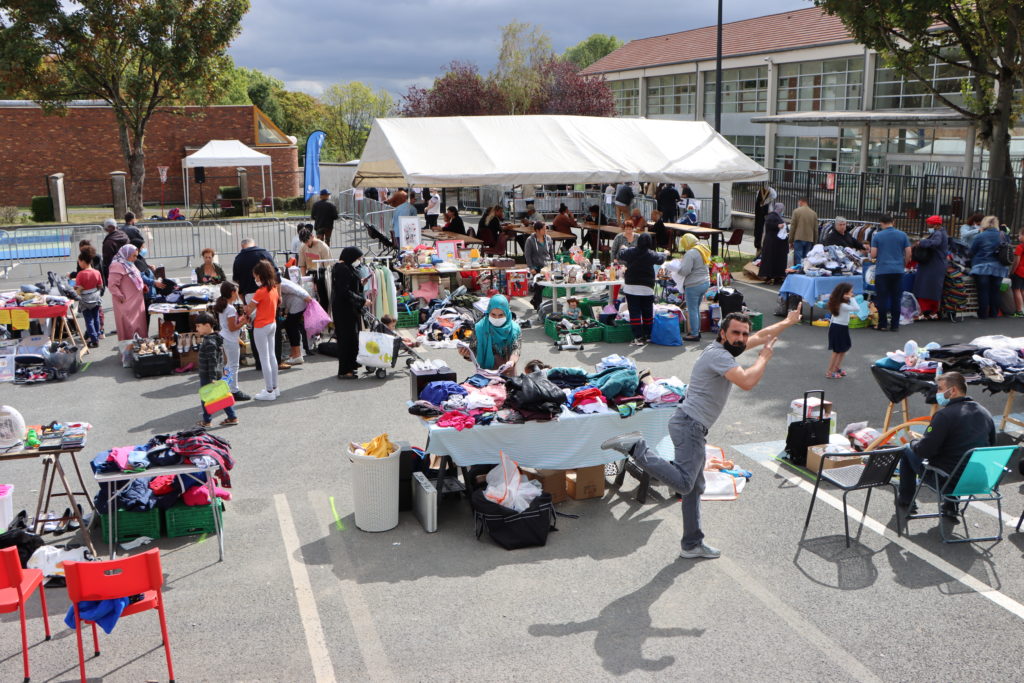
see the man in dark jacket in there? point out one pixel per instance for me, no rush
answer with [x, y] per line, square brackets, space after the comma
[241, 273]
[839, 236]
[112, 243]
[668, 202]
[961, 424]
[324, 213]
[131, 228]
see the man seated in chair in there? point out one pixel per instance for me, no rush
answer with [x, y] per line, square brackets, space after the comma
[960, 425]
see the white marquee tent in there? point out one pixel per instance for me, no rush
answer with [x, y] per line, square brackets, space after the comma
[221, 153]
[460, 151]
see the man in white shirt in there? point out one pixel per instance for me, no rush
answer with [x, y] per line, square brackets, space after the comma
[433, 209]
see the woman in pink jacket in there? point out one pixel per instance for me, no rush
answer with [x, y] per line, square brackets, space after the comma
[126, 289]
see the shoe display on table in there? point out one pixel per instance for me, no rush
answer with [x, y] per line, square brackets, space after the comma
[702, 551]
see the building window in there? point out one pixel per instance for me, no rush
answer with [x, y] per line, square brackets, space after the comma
[893, 91]
[268, 134]
[751, 145]
[743, 91]
[830, 85]
[800, 153]
[627, 96]
[668, 95]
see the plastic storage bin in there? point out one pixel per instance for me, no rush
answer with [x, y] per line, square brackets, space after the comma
[131, 524]
[375, 483]
[6, 505]
[407, 320]
[185, 520]
[619, 333]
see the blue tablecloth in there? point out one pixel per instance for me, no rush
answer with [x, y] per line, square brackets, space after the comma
[810, 288]
[574, 440]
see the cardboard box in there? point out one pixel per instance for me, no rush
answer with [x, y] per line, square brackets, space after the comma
[812, 407]
[552, 481]
[585, 482]
[814, 459]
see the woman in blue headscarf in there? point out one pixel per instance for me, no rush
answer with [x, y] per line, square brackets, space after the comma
[497, 340]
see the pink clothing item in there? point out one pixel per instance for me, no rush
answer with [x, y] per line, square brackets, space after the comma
[456, 419]
[129, 304]
[120, 456]
[495, 391]
[200, 495]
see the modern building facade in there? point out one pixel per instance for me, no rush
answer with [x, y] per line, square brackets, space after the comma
[798, 93]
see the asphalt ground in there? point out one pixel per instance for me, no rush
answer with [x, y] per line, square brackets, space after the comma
[304, 595]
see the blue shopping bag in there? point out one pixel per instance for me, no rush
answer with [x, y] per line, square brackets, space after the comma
[665, 331]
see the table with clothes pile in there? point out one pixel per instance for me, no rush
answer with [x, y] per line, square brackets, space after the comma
[167, 476]
[552, 418]
[993, 362]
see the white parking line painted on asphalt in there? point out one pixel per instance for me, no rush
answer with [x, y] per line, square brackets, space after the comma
[375, 658]
[988, 592]
[801, 626]
[323, 670]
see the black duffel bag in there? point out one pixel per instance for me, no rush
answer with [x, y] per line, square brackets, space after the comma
[730, 300]
[511, 529]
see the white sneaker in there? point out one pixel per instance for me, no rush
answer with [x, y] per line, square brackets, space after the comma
[297, 360]
[702, 551]
[265, 396]
[277, 393]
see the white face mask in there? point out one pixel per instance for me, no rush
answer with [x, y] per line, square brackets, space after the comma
[499, 321]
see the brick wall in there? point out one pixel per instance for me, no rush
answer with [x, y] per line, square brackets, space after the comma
[84, 146]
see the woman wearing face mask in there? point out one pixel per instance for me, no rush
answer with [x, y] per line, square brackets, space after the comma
[347, 302]
[498, 339]
[931, 269]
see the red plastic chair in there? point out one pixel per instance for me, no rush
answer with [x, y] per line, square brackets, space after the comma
[16, 585]
[118, 579]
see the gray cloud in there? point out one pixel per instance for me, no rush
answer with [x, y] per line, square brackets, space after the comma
[394, 45]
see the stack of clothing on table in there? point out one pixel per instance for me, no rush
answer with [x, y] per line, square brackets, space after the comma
[832, 260]
[447, 324]
[195, 447]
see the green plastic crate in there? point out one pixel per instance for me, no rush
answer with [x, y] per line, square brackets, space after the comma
[186, 520]
[618, 333]
[407, 320]
[756, 321]
[562, 291]
[590, 335]
[132, 524]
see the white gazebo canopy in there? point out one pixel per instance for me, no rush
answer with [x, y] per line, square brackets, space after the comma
[221, 153]
[459, 151]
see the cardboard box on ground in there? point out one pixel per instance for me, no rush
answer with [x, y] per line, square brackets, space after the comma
[578, 484]
[814, 456]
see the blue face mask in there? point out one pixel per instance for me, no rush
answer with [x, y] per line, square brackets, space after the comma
[941, 398]
[143, 252]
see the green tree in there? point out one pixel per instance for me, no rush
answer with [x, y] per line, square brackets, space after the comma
[982, 39]
[591, 49]
[133, 54]
[303, 114]
[524, 49]
[351, 109]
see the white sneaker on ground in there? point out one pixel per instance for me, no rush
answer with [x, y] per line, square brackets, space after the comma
[277, 393]
[265, 396]
[702, 551]
[623, 443]
[297, 360]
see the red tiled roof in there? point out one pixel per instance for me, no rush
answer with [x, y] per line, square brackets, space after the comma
[799, 28]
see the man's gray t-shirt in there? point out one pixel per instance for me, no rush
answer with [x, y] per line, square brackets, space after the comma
[708, 389]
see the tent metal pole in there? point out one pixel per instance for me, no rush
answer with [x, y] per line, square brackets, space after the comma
[273, 209]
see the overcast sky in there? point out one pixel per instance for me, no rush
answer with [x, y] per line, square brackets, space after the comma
[392, 45]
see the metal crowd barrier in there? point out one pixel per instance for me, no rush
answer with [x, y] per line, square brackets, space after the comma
[45, 245]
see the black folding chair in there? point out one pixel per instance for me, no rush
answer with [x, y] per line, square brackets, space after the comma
[877, 470]
[388, 247]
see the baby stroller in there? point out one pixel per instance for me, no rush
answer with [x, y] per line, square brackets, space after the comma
[377, 330]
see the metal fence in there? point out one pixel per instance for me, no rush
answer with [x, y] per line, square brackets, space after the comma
[866, 196]
[43, 246]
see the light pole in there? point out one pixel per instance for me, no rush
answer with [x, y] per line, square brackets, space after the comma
[716, 189]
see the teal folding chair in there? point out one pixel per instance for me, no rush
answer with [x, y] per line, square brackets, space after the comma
[981, 470]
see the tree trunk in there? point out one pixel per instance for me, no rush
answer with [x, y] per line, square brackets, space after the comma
[136, 178]
[1002, 185]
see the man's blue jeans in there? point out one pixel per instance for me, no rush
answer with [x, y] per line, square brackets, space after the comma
[800, 250]
[684, 473]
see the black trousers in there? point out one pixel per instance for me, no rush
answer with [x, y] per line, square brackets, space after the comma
[641, 314]
[295, 328]
[346, 330]
[323, 296]
[431, 221]
[538, 296]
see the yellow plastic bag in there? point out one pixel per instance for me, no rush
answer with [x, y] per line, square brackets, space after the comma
[379, 447]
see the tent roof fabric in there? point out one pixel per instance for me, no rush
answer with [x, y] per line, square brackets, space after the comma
[458, 151]
[219, 153]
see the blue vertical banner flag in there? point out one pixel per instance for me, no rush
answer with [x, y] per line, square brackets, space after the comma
[314, 143]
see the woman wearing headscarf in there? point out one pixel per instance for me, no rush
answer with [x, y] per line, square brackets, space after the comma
[497, 339]
[692, 278]
[347, 302]
[639, 285]
[931, 270]
[128, 293]
[774, 250]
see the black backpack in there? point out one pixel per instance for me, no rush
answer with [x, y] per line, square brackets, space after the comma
[511, 529]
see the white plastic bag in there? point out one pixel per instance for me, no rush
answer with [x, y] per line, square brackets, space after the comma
[50, 559]
[376, 349]
[508, 487]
